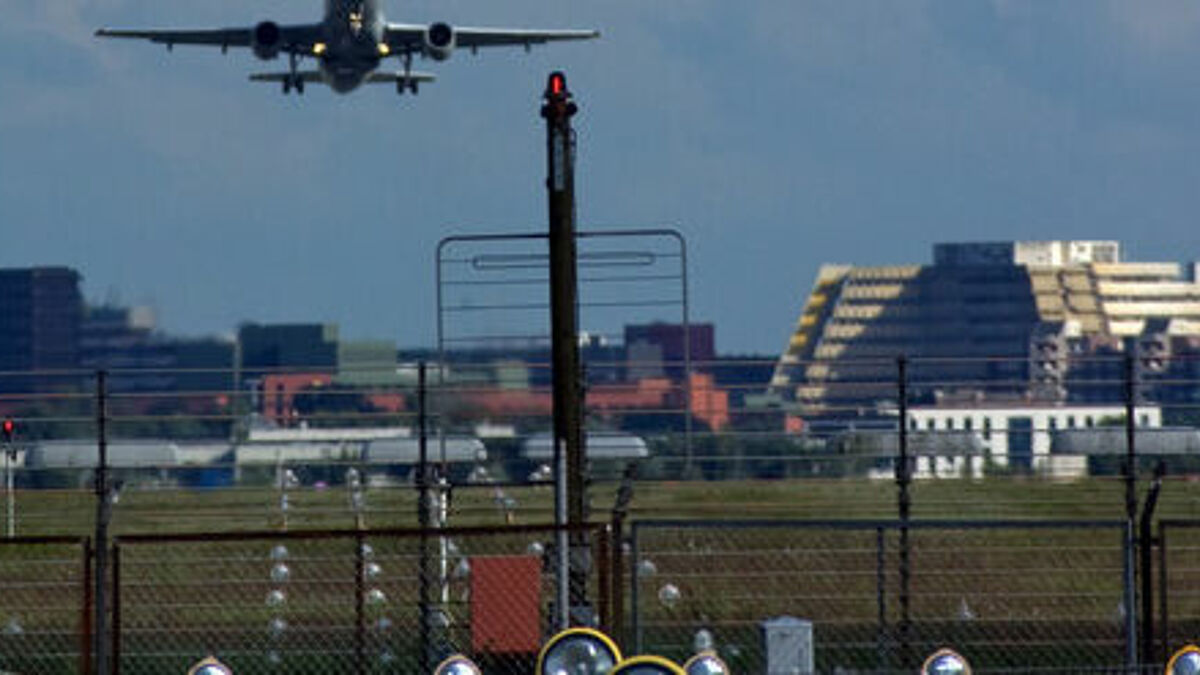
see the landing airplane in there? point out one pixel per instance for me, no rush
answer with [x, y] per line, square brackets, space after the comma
[349, 44]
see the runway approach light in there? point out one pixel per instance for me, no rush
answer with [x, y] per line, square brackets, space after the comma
[1186, 661]
[558, 98]
[210, 666]
[705, 663]
[946, 662]
[647, 665]
[457, 665]
[578, 651]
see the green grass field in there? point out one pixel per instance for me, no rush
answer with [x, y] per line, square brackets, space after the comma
[146, 510]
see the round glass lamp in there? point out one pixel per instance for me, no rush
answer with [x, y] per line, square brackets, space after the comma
[946, 662]
[705, 663]
[578, 651]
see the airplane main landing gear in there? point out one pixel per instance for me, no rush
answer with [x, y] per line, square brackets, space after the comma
[293, 80]
[404, 84]
[406, 80]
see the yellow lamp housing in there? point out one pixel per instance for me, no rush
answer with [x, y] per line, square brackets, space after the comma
[647, 665]
[210, 666]
[457, 665]
[578, 651]
[1186, 661]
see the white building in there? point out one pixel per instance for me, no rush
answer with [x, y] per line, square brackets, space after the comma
[1017, 436]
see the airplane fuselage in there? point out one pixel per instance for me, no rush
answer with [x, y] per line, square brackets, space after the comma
[353, 33]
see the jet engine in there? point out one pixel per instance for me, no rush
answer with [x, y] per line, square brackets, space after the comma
[439, 41]
[266, 40]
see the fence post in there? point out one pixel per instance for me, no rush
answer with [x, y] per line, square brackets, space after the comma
[1164, 615]
[426, 656]
[360, 589]
[903, 479]
[634, 600]
[86, 635]
[103, 513]
[604, 547]
[1146, 561]
[881, 636]
[1131, 642]
[616, 621]
[116, 632]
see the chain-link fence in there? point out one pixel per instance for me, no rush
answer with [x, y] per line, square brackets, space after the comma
[45, 605]
[1011, 596]
[207, 449]
[1178, 581]
[342, 601]
[273, 448]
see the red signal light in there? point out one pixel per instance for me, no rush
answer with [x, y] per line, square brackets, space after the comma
[558, 84]
[9, 428]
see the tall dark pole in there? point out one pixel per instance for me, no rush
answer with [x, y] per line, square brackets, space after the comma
[568, 409]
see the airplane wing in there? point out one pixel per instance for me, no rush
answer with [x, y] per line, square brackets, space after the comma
[410, 37]
[295, 38]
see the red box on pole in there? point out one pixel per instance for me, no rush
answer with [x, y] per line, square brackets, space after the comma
[506, 594]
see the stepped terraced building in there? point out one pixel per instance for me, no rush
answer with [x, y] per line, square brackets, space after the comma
[990, 323]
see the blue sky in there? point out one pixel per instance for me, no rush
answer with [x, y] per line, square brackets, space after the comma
[777, 135]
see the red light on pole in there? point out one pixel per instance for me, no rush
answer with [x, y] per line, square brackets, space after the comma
[10, 428]
[558, 84]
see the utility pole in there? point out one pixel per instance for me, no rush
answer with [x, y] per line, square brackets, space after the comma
[569, 451]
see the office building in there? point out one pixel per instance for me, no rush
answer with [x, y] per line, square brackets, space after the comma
[40, 313]
[1013, 321]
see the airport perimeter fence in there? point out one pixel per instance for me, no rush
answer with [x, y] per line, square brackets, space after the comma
[46, 605]
[377, 601]
[1013, 597]
[205, 449]
[232, 450]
